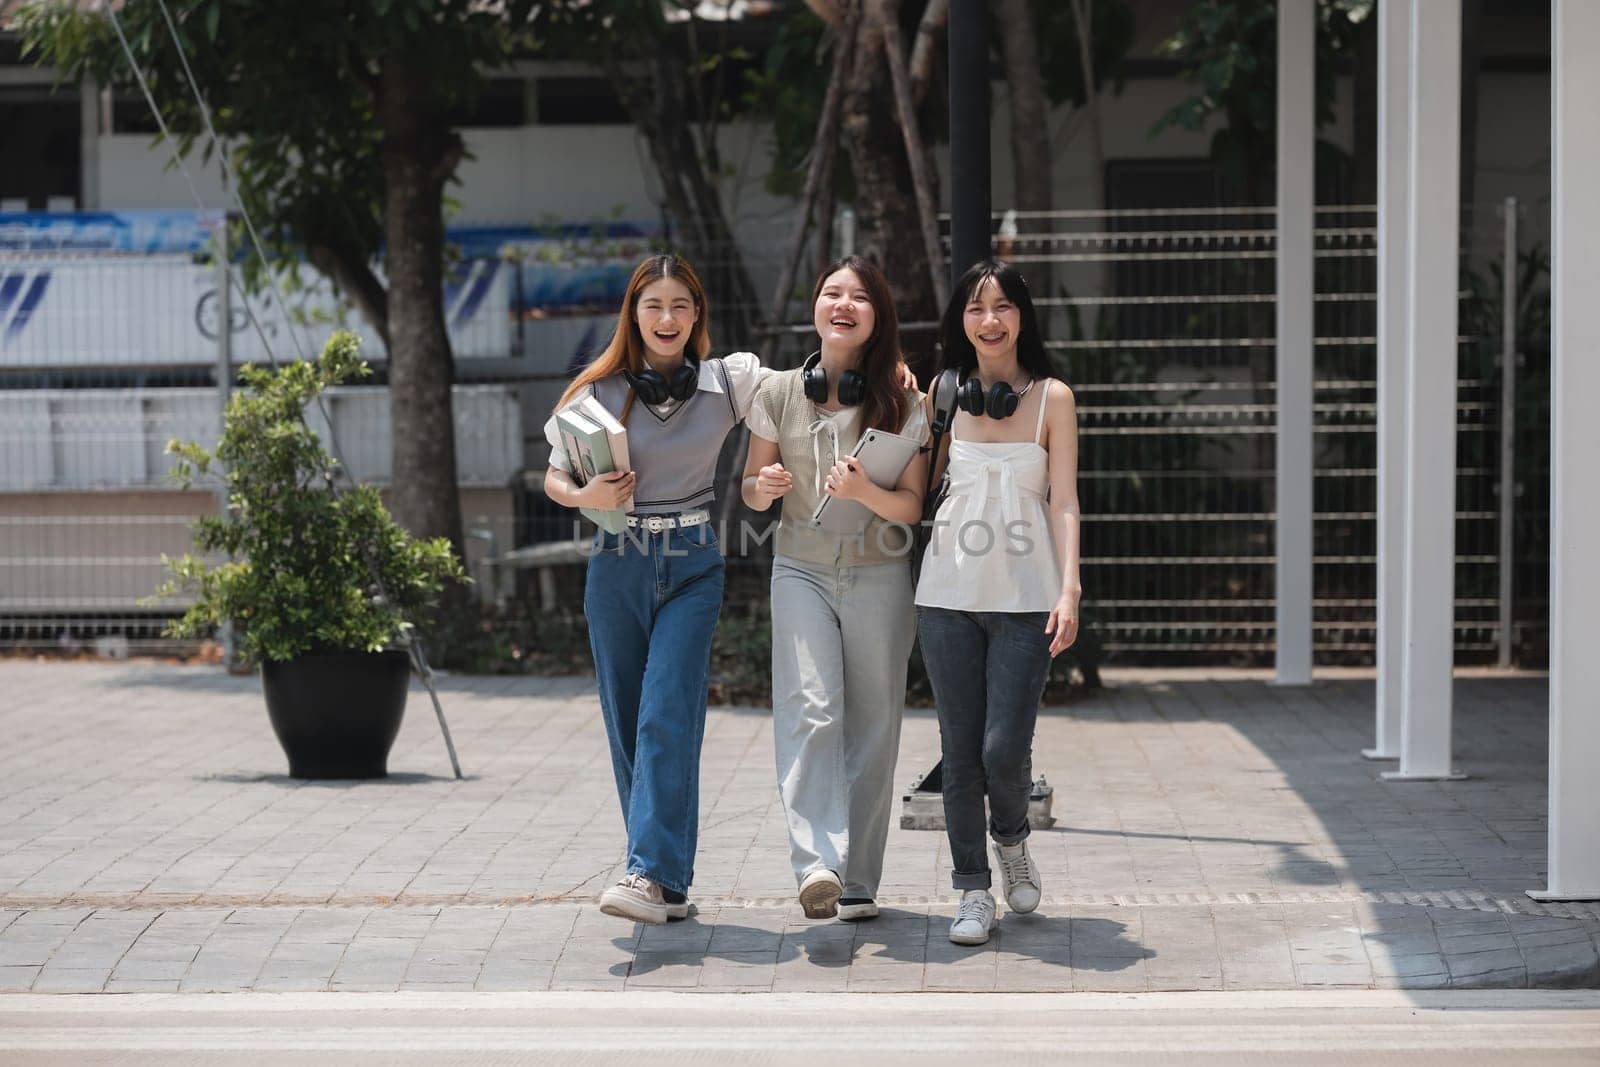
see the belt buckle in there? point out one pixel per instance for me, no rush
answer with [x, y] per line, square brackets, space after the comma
[656, 523]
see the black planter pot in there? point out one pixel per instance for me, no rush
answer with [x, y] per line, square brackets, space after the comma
[336, 714]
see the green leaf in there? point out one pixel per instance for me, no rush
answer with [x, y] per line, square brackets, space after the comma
[213, 20]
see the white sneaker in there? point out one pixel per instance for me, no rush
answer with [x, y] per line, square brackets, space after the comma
[1020, 876]
[638, 898]
[974, 918]
[819, 894]
[855, 909]
[679, 910]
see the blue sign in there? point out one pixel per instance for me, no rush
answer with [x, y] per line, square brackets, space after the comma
[559, 267]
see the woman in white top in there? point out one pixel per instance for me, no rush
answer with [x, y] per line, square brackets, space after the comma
[842, 621]
[998, 594]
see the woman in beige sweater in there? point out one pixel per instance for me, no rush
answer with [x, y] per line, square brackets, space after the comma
[841, 601]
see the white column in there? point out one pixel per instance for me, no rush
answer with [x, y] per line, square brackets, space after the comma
[1433, 243]
[1394, 159]
[1297, 54]
[1574, 860]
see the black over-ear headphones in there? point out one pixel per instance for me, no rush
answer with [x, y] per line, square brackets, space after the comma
[852, 384]
[1000, 402]
[653, 387]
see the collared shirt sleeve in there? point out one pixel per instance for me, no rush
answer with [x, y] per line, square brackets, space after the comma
[558, 451]
[762, 420]
[745, 374]
[916, 426]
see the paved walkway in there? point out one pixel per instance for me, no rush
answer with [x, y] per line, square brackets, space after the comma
[1212, 834]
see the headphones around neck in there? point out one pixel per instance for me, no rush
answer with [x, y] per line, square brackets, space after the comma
[852, 384]
[999, 402]
[653, 387]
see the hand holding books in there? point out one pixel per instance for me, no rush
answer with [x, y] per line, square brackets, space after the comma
[608, 492]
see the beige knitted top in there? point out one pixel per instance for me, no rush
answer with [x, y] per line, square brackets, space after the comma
[809, 443]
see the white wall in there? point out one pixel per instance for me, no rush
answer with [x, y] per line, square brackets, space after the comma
[579, 173]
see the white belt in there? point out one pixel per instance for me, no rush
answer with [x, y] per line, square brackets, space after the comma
[657, 523]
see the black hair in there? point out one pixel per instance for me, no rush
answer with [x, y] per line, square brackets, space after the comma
[957, 351]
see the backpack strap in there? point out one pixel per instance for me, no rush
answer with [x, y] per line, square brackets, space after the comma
[944, 403]
[944, 412]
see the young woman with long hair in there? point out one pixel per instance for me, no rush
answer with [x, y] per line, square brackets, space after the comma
[653, 593]
[998, 595]
[842, 618]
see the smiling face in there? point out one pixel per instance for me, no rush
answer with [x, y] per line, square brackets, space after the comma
[665, 315]
[992, 321]
[843, 313]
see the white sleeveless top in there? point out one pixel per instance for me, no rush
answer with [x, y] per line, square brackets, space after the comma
[991, 548]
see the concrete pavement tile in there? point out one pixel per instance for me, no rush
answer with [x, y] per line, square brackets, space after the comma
[54, 979]
[1357, 975]
[17, 979]
[141, 985]
[667, 970]
[512, 975]
[147, 969]
[1110, 975]
[1575, 966]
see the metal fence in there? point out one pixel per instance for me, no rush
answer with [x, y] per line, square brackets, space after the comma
[1163, 320]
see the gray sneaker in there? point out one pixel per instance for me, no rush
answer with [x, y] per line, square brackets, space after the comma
[1020, 876]
[974, 918]
[635, 897]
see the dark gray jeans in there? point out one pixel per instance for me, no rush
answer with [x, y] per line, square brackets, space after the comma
[988, 671]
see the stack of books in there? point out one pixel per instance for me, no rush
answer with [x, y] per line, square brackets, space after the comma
[596, 444]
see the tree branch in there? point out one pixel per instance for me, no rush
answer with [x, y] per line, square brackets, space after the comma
[923, 48]
[921, 180]
[828, 11]
[355, 278]
[820, 171]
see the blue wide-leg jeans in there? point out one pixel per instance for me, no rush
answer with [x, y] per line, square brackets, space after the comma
[652, 601]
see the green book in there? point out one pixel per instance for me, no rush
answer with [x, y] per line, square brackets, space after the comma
[589, 451]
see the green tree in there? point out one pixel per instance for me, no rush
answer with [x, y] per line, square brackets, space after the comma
[1229, 49]
[340, 127]
[675, 88]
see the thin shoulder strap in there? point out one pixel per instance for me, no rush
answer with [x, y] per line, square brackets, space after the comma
[1038, 427]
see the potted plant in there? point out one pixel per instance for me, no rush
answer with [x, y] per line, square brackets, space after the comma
[320, 583]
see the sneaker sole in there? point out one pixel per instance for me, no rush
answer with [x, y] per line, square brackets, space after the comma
[625, 908]
[820, 899]
[854, 913]
[675, 912]
[970, 939]
[1021, 911]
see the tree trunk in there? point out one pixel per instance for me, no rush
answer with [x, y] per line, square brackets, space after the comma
[1030, 124]
[922, 179]
[420, 152]
[887, 217]
[817, 196]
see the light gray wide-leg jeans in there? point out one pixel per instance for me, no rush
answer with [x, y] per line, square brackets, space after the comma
[841, 637]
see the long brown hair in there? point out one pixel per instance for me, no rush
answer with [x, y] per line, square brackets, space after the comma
[886, 404]
[626, 350]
